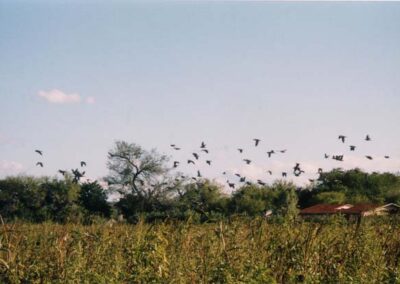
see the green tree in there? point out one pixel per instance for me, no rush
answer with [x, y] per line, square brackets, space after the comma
[203, 197]
[252, 200]
[141, 178]
[93, 199]
[330, 197]
[287, 201]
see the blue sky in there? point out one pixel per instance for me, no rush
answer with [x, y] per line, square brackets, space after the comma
[294, 74]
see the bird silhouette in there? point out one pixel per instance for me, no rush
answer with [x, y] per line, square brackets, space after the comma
[320, 171]
[196, 156]
[176, 148]
[198, 174]
[83, 164]
[231, 184]
[176, 163]
[387, 157]
[238, 175]
[242, 179]
[257, 141]
[338, 158]
[248, 183]
[270, 153]
[224, 173]
[270, 172]
[368, 157]
[204, 150]
[240, 150]
[247, 161]
[342, 137]
[39, 164]
[367, 138]
[39, 152]
[260, 182]
[173, 145]
[283, 151]
[284, 174]
[63, 172]
[203, 145]
[77, 175]
[208, 162]
[190, 162]
[310, 180]
[326, 156]
[352, 147]
[298, 172]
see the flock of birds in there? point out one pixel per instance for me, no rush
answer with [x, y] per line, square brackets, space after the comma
[241, 179]
[76, 173]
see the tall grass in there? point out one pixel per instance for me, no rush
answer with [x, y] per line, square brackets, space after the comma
[235, 251]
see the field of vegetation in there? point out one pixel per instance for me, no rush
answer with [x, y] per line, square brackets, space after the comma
[237, 250]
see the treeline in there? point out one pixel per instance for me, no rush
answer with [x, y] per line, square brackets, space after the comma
[147, 188]
[50, 199]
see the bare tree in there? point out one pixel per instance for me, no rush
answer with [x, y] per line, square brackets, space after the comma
[136, 171]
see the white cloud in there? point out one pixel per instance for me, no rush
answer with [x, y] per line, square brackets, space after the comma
[58, 97]
[10, 168]
[90, 100]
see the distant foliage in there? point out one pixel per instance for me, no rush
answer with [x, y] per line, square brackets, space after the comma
[149, 191]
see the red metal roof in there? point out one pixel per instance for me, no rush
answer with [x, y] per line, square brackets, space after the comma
[321, 209]
[359, 208]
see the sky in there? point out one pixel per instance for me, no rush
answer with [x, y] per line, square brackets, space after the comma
[75, 77]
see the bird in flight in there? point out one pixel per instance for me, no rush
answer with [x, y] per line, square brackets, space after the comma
[83, 164]
[176, 148]
[240, 150]
[247, 161]
[326, 156]
[238, 175]
[77, 175]
[190, 162]
[196, 156]
[198, 174]
[39, 152]
[387, 157]
[352, 147]
[367, 138]
[270, 172]
[62, 172]
[204, 150]
[203, 145]
[320, 170]
[283, 151]
[176, 163]
[338, 157]
[230, 184]
[368, 157]
[342, 137]
[257, 141]
[39, 164]
[173, 145]
[260, 182]
[242, 179]
[270, 153]
[284, 174]
[208, 162]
